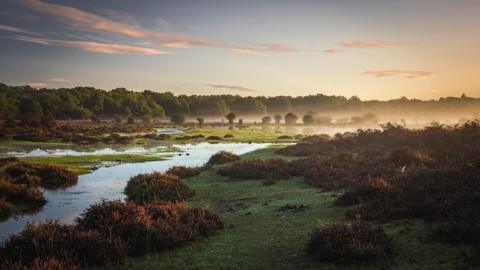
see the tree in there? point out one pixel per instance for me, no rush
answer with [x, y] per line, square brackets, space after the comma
[290, 118]
[200, 121]
[177, 119]
[230, 117]
[308, 119]
[131, 120]
[266, 120]
[278, 118]
[147, 119]
[32, 112]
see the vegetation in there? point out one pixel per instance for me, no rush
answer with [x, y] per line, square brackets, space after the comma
[20, 184]
[147, 188]
[183, 172]
[350, 243]
[266, 169]
[290, 118]
[222, 157]
[230, 117]
[105, 233]
[177, 119]
[40, 107]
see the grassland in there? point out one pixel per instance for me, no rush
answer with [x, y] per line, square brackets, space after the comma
[240, 135]
[258, 234]
[84, 164]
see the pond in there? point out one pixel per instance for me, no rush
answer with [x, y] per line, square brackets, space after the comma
[108, 183]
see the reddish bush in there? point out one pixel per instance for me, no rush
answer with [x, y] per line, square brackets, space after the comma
[183, 172]
[20, 193]
[222, 157]
[376, 189]
[48, 176]
[37, 264]
[6, 208]
[150, 227]
[146, 188]
[214, 138]
[350, 243]
[8, 160]
[270, 169]
[52, 240]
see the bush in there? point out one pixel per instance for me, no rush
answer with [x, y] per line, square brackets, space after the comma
[183, 172]
[54, 241]
[6, 209]
[48, 176]
[269, 169]
[350, 243]
[20, 193]
[37, 264]
[151, 227]
[214, 138]
[222, 157]
[146, 188]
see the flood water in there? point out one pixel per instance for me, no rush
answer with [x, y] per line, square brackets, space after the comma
[108, 183]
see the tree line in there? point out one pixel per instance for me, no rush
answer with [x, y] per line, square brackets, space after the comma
[27, 103]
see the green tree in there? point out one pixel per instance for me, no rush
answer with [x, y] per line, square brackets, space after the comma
[266, 120]
[308, 119]
[290, 118]
[177, 119]
[278, 118]
[230, 117]
[200, 121]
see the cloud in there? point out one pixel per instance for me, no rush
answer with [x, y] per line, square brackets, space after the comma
[399, 73]
[98, 47]
[232, 87]
[58, 80]
[9, 28]
[86, 21]
[37, 84]
[331, 51]
[366, 43]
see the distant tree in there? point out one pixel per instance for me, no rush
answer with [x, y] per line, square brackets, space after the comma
[117, 119]
[240, 121]
[48, 120]
[290, 118]
[266, 120]
[95, 119]
[147, 119]
[230, 117]
[177, 119]
[32, 112]
[324, 120]
[200, 121]
[131, 120]
[308, 119]
[126, 112]
[278, 118]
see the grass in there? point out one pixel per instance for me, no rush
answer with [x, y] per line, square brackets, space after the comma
[84, 164]
[240, 135]
[258, 235]
[14, 144]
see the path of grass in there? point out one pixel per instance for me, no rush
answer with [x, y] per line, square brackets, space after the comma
[257, 235]
[84, 164]
[240, 135]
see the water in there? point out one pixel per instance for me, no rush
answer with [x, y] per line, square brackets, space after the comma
[70, 152]
[109, 182]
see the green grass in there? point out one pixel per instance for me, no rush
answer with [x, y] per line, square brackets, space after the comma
[240, 135]
[84, 164]
[257, 235]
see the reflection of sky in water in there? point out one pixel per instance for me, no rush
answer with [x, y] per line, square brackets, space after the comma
[108, 183]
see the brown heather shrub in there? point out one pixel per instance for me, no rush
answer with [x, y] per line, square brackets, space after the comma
[48, 176]
[8, 160]
[214, 138]
[376, 189]
[269, 169]
[222, 157]
[228, 136]
[38, 264]
[54, 241]
[358, 242]
[6, 208]
[183, 172]
[151, 227]
[146, 188]
[127, 221]
[285, 137]
[21, 193]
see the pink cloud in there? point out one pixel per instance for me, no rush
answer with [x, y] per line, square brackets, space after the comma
[95, 46]
[331, 50]
[9, 28]
[366, 43]
[399, 73]
[87, 21]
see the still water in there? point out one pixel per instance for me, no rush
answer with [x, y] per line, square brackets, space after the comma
[108, 183]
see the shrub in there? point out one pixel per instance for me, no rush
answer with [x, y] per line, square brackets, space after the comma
[151, 227]
[8, 160]
[183, 172]
[214, 138]
[270, 169]
[285, 137]
[227, 136]
[222, 157]
[127, 221]
[146, 188]
[6, 208]
[350, 243]
[38, 264]
[48, 176]
[52, 240]
[376, 189]
[21, 193]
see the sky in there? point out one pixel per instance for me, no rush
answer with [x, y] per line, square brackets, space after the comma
[373, 49]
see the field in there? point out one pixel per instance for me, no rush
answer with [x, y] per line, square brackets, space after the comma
[263, 230]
